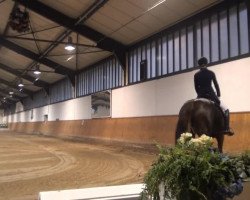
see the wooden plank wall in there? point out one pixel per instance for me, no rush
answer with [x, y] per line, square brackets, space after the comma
[141, 130]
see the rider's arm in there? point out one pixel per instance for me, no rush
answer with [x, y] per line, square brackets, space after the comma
[216, 85]
[196, 85]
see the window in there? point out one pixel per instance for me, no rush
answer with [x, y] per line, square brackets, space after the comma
[219, 35]
[60, 91]
[106, 75]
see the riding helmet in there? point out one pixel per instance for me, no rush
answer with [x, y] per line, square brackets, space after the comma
[202, 61]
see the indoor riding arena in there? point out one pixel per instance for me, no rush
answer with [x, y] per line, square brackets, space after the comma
[90, 88]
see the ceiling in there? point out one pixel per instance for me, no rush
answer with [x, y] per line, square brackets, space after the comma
[100, 28]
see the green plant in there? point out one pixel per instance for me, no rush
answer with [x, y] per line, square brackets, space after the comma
[193, 169]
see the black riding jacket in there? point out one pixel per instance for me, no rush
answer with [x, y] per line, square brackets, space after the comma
[203, 85]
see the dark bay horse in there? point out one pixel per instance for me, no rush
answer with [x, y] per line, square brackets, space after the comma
[201, 116]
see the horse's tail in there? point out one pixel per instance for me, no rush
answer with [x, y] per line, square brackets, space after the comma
[184, 121]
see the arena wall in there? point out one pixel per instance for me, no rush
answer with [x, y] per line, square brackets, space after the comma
[145, 112]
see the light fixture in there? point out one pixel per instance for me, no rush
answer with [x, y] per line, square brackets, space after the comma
[20, 84]
[37, 70]
[156, 4]
[11, 92]
[19, 20]
[69, 58]
[37, 79]
[69, 46]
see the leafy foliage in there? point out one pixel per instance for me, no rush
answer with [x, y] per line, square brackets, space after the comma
[194, 170]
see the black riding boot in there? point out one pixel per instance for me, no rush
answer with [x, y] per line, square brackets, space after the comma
[227, 130]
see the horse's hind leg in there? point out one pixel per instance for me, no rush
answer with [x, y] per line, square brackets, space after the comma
[200, 125]
[220, 140]
[182, 127]
[178, 131]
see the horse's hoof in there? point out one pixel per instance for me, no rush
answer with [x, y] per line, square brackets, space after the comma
[229, 132]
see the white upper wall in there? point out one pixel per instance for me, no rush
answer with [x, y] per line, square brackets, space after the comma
[73, 109]
[134, 101]
[83, 108]
[172, 92]
[158, 97]
[19, 107]
[234, 80]
[2, 120]
[163, 96]
[166, 96]
[38, 113]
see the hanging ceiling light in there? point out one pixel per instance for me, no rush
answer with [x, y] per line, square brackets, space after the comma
[69, 46]
[20, 84]
[19, 20]
[37, 70]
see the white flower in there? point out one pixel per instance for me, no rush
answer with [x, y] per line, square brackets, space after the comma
[206, 139]
[182, 140]
[185, 137]
[203, 140]
[196, 141]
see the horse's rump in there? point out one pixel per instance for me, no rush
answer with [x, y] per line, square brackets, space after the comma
[200, 116]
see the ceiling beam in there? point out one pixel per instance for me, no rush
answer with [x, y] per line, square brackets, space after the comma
[103, 42]
[7, 96]
[6, 91]
[25, 91]
[9, 99]
[47, 41]
[8, 23]
[81, 19]
[29, 54]
[17, 73]
[6, 103]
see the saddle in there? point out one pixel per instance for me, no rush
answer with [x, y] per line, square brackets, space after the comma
[203, 99]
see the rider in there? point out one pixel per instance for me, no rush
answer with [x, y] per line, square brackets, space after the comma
[203, 86]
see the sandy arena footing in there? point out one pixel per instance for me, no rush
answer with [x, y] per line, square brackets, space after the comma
[30, 164]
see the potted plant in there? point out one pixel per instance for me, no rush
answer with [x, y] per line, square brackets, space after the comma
[194, 170]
